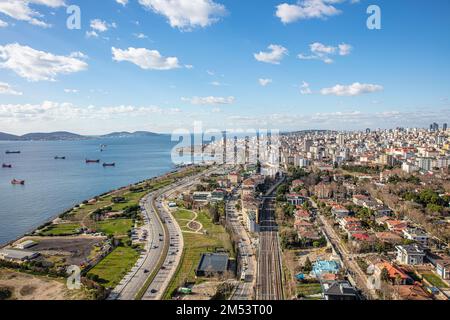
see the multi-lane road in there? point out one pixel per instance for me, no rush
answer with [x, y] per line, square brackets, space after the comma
[269, 283]
[163, 250]
[134, 280]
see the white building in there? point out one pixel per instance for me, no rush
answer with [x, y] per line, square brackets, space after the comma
[410, 254]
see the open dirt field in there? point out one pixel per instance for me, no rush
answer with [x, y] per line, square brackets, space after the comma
[29, 287]
[75, 250]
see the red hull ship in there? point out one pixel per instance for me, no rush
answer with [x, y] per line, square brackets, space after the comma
[92, 161]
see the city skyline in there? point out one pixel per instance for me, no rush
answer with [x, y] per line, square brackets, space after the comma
[147, 65]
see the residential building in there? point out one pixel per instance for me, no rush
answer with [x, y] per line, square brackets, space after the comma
[410, 254]
[339, 291]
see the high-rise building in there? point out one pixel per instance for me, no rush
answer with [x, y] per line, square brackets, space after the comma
[341, 139]
[444, 127]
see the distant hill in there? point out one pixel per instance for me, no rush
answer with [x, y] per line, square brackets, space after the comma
[52, 136]
[63, 135]
[126, 134]
[8, 137]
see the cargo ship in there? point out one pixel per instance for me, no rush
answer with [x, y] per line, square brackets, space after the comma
[60, 158]
[9, 166]
[20, 182]
[92, 161]
[109, 164]
[12, 152]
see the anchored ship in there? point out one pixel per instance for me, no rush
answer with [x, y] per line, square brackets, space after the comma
[20, 182]
[109, 164]
[7, 166]
[92, 161]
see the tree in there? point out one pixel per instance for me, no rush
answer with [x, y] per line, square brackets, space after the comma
[384, 275]
[308, 266]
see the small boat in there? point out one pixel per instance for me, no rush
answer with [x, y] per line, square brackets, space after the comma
[19, 182]
[92, 161]
[12, 152]
[103, 147]
[109, 164]
[60, 158]
[9, 166]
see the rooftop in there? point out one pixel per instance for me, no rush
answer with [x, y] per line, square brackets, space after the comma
[213, 262]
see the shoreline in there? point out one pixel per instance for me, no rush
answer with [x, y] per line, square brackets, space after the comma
[51, 219]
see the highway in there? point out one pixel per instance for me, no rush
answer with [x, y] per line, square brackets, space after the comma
[163, 250]
[133, 281]
[269, 283]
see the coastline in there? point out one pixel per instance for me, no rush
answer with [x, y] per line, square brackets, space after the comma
[49, 220]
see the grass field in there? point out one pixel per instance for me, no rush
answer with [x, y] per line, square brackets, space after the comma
[435, 280]
[184, 214]
[117, 227]
[308, 289]
[197, 244]
[61, 229]
[115, 266]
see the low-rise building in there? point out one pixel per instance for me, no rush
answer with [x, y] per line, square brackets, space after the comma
[339, 291]
[416, 235]
[212, 265]
[26, 244]
[443, 268]
[410, 254]
[18, 255]
[296, 199]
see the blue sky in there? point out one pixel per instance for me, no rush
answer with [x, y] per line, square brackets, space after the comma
[396, 76]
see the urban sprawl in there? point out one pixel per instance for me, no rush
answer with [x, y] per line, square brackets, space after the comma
[313, 215]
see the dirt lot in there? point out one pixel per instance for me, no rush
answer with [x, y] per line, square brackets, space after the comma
[203, 291]
[294, 259]
[75, 250]
[29, 287]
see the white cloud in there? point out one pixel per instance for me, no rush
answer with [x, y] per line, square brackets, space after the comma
[209, 100]
[99, 25]
[145, 59]
[55, 111]
[265, 82]
[122, 2]
[274, 56]
[345, 49]
[354, 89]
[35, 65]
[5, 88]
[307, 9]
[3, 24]
[322, 52]
[21, 10]
[140, 35]
[187, 14]
[305, 89]
[71, 91]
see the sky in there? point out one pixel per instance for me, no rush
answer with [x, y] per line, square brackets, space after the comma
[165, 65]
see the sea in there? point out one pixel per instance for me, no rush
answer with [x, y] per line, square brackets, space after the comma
[54, 186]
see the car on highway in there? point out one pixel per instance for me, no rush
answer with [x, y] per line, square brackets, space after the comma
[153, 291]
[146, 271]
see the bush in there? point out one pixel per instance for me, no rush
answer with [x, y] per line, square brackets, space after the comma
[5, 293]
